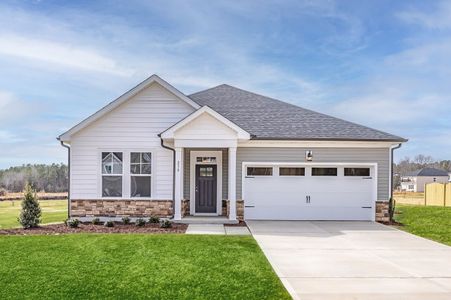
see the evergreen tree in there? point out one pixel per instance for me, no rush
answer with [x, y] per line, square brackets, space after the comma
[30, 216]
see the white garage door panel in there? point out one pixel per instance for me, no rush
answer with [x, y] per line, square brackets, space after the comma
[331, 198]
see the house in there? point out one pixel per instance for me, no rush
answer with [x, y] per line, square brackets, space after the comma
[225, 152]
[415, 181]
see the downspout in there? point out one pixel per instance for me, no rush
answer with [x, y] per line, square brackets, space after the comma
[68, 177]
[173, 166]
[392, 172]
[391, 203]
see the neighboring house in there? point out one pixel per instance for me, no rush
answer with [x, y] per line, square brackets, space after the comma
[415, 181]
[225, 152]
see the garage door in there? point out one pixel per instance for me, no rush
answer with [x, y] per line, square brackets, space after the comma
[293, 192]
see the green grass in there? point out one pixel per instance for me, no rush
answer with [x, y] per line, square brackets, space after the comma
[432, 222]
[119, 266]
[52, 211]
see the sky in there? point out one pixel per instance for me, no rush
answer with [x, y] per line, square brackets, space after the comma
[383, 64]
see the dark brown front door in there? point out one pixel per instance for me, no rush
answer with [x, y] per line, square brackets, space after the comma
[206, 189]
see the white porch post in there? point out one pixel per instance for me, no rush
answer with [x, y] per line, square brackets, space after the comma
[232, 183]
[178, 184]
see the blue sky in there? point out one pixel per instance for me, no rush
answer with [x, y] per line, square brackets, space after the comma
[384, 64]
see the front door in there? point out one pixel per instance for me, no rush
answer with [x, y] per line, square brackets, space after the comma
[206, 189]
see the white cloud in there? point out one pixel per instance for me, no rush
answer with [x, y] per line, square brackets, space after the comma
[7, 137]
[440, 18]
[62, 54]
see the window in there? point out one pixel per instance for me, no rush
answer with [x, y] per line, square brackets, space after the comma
[324, 171]
[291, 171]
[357, 171]
[259, 171]
[111, 174]
[141, 172]
[411, 187]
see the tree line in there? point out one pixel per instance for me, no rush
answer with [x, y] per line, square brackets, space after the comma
[420, 161]
[43, 178]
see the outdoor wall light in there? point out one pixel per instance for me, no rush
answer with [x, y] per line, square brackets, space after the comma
[308, 155]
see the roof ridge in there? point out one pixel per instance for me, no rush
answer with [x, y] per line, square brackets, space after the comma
[297, 107]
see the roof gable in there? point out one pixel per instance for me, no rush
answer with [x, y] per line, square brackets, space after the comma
[124, 98]
[270, 119]
[205, 120]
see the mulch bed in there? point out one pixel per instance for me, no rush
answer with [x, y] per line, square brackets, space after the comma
[56, 229]
[392, 223]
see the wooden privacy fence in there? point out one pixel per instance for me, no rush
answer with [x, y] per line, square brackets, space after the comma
[437, 194]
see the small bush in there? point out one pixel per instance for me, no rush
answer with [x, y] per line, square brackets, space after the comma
[165, 224]
[96, 221]
[140, 222]
[3, 192]
[126, 220]
[30, 216]
[73, 223]
[109, 224]
[154, 220]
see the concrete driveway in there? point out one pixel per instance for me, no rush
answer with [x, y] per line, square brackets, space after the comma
[354, 260]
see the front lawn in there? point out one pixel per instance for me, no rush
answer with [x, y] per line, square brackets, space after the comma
[52, 211]
[120, 266]
[432, 222]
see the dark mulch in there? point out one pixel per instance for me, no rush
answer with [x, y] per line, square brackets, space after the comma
[392, 223]
[239, 224]
[90, 228]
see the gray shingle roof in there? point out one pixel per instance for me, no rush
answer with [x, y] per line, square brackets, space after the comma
[267, 118]
[428, 172]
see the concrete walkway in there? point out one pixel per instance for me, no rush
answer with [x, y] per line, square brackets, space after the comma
[217, 229]
[354, 260]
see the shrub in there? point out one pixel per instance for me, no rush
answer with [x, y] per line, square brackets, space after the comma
[3, 192]
[109, 224]
[154, 219]
[96, 221]
[140, 222]
[165, 224]
[30, 216]
[126, 220]
[73, 223]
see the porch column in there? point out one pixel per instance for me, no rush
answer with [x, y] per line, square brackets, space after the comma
[232, 183]
[178, 184]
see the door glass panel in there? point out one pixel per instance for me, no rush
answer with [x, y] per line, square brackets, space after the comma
[259, 171]
[357, 171]
[324, 171]
[291, 171]
[206, 172]
[206, 159]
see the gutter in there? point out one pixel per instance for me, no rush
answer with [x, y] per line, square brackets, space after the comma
[173, 166]
[68, 176]
[392, 172]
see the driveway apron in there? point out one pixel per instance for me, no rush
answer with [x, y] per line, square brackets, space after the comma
[354, 260]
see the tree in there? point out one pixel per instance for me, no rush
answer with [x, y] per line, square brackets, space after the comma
[30, 216]
[48, 178]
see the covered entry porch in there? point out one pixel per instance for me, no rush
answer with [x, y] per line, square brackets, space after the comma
[205, 145]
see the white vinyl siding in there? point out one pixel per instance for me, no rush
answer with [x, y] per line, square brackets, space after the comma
[133, 126]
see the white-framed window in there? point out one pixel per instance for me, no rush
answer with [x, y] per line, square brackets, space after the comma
[112, 174]
[140, 174]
